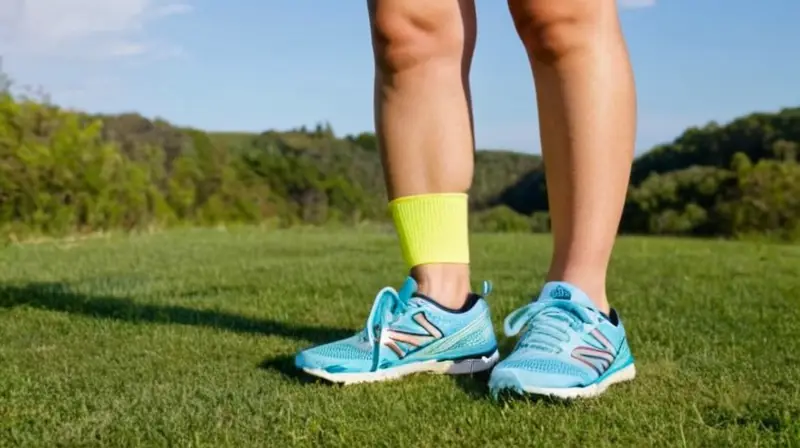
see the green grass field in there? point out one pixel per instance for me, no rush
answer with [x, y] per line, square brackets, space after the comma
[186, 338]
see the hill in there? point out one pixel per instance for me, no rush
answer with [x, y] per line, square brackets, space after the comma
[64, 171]
[741, 178]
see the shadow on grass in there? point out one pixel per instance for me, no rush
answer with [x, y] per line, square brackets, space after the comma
[284, 365]
[59, 297]
[474, 385]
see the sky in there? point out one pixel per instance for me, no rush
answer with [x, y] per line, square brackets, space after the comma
[252, 65]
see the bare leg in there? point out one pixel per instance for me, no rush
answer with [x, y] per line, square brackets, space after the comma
[587, 107]
[423, 52]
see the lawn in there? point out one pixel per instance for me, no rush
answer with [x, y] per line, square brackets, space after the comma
[186, 338]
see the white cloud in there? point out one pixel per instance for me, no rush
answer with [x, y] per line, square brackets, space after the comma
[79, 50]
[636, 4]
[174, 9]
[126, 49]
[81, 28]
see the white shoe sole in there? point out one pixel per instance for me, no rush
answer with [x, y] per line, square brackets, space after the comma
[460, 367]
[509, 381]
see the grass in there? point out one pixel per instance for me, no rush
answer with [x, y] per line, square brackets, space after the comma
[186, 338]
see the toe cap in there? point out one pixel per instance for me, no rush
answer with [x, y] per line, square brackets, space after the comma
[526, 373]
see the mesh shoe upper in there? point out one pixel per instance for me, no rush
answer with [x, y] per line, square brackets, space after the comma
[566, 341]
[404, 328]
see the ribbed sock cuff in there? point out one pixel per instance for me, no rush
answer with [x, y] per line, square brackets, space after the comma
[433, 228]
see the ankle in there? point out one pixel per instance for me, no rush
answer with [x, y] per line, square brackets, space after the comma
[447, 284]
[592, 284]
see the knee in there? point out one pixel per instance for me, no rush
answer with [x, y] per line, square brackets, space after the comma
[552, 30]
[405, 37]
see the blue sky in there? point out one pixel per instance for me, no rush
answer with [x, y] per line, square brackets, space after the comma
[252, 65]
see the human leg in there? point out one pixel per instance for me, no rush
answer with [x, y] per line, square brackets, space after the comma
[575, 344]
[586, 99]
[423, 50]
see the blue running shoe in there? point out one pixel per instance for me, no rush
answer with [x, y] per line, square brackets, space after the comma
[408, 333]
[568, 350]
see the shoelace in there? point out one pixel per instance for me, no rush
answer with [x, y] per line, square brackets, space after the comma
[548, 323]
[387, 307]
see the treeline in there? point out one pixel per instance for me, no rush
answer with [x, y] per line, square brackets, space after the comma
[740, 179]
[63, 171]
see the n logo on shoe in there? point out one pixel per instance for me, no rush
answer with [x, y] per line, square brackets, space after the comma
[560, 292]
[392, 337]
[599, 359]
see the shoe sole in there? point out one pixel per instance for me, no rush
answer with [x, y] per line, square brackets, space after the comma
[507, 380]
[459, 367]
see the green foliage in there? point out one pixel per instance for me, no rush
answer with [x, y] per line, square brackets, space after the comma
[740, 179]
[365, 140]
[757, 135]
[323, 178]
[767, 201]
[504, 219]
[494, 171]
[761, 199]
[64, 172]
[676, 203]
[57, 174]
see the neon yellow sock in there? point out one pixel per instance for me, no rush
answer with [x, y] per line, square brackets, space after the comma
[433, 228]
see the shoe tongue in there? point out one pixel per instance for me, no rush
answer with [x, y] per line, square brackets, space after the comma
[565, 291]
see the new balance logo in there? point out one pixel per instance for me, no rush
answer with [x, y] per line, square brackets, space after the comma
[392, 337]
[599, 359]
[560, 292]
